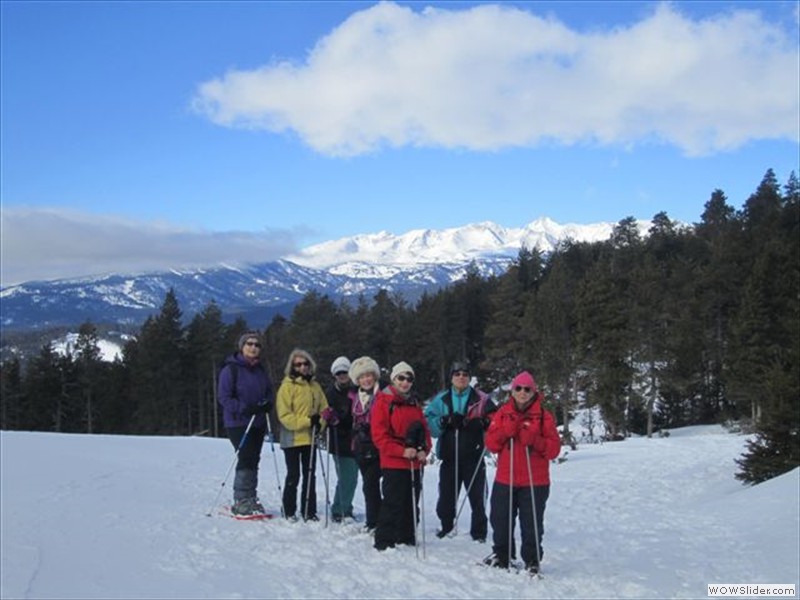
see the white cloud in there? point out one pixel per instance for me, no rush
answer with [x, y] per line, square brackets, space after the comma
[495, 76]
[41, 243]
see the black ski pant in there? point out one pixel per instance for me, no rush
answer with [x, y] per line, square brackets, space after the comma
[245, 483]
[299, 459]
[520, 505]
[446, 508]
[396, 520]
[371, 486]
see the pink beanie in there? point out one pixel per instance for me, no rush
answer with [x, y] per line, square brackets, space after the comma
[524, 379]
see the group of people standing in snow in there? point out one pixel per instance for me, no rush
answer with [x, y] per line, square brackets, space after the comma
[384, 434]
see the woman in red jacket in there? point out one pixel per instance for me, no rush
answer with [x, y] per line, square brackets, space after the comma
[521, 424]
[401, 434]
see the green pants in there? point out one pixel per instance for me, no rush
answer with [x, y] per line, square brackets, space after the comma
[347, 479]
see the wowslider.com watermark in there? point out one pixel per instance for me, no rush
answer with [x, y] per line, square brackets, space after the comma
[751, 590]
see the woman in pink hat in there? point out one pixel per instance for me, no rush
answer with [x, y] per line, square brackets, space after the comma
[524, 436]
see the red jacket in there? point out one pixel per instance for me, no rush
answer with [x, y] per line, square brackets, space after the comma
[535, 434]
[391, 417]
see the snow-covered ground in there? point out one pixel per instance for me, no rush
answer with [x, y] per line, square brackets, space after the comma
[125, 517]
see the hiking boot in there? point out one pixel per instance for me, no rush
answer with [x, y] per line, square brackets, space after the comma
[444, 531]
[247, 507]
[493, 560]
[532, 568]
[381, 546]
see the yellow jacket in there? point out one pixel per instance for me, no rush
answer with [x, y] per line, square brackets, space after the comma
[297, 400]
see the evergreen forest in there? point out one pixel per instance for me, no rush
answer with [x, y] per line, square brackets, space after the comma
[688, 324]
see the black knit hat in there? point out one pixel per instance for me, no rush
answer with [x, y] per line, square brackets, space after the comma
[459, 365]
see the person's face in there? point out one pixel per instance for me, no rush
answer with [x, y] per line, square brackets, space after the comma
[366, 381]
[460, 380]
[342, 378]
[251, 348]
[521, 394]
[403, 382]
[300, 364]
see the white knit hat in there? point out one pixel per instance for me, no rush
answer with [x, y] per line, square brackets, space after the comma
[401, 367]
[340, 364]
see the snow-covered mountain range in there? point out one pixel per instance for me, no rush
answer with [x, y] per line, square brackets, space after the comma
[408, 264]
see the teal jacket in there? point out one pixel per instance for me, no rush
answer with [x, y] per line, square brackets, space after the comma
[474, 405]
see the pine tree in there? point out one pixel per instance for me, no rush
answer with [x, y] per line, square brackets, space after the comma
[767, 346]
[158, 373]
[89, 365]
[206, 346]
[507, 346]
[11, 394]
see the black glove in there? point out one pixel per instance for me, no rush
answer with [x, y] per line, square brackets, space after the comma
[453, 421]
[363, 433]
[260, 409]
[415, 436]
[314, 422]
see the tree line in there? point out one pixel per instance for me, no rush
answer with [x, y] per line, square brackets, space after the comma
[689, 324]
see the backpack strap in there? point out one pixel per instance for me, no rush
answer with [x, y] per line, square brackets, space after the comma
[234, 368]
[448, 400]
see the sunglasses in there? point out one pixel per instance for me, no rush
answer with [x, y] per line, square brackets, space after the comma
[460, 373]
[301, 364]
[256, 344]
[523, 388]
[341, 373]
[408, 378]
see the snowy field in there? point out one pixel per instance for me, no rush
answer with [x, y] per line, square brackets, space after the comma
[125, 517]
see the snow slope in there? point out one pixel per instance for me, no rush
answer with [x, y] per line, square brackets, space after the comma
[125, 517]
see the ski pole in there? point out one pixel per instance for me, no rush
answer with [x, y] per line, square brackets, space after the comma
[414, 504]
[337, 462]
[511, 503]
[327, 481]
[310, 473]
[325, 478]
[422, 505]
[275, 460]
[235, 458]
[469, 489]
[533, 508]
[458, 491]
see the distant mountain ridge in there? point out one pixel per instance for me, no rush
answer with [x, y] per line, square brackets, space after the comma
[409, 264]
[478, 241]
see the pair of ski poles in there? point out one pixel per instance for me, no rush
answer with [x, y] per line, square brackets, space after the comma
[325, 471]
[511, 505]
[236, 458]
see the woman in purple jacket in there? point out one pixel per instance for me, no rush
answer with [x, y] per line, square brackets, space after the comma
[245, 392]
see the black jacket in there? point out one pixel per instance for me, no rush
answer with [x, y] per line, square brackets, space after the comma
[340, 435]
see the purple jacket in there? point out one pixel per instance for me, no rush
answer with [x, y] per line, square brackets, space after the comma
[253, 387]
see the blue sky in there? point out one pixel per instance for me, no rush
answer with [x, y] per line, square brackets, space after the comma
[141, 135]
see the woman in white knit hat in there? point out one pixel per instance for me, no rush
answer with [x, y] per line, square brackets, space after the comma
[339, 417]
[404, 441]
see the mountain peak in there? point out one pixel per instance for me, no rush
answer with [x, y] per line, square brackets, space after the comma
[456, 244]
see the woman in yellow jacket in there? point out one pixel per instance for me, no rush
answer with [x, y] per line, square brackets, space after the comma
[299, 403]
